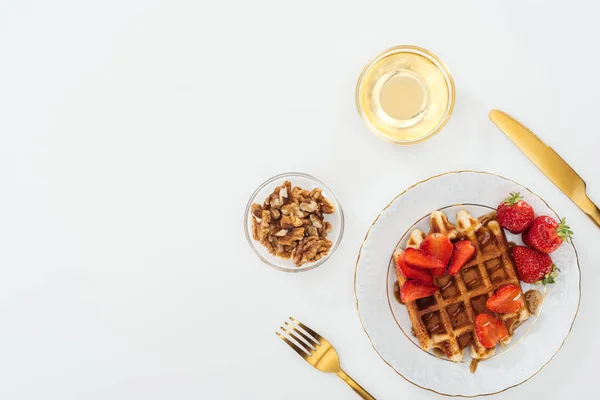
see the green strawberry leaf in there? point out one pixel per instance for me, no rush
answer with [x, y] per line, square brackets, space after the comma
[564, 231]
[513, 198]
[550, 277]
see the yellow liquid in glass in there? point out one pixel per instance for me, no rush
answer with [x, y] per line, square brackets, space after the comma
[404, 97]
[400, 98]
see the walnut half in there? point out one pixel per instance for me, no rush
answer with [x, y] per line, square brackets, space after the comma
[310, 249]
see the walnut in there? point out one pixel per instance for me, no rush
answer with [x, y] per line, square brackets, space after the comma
[272, 249]
[310, 249]
[273, 229]
[296, 234]
[312, 231]
[263, 228]
[265, 218]
[290, 223]
[292, 209]
[289, 209]
[309, 207]
[275, 213]
[316, 222]
[276, 202]
[287, 185]
[315, 194]
[283, 193]
[262, 233]
[326, 206]
[254, 229]
[257, 211]
[296, 195]
[284, 254]
[327, 227]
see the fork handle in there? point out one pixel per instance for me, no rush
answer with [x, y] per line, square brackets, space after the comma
[355, 386]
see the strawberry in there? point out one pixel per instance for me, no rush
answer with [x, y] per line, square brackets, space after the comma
[420, 259]
[413, 290]
[514, 214]
[463, 252]
[534, 266]
[546, 235]
[438, 245]
[421, 275]
[489, 330]
[507, 299]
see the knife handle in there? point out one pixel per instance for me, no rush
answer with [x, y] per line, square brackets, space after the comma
[596, 216]
[592, 210]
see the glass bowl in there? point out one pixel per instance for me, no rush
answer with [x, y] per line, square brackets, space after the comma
[405, 95]
[304, 181]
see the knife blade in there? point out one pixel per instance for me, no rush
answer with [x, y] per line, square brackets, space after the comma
[548, 161]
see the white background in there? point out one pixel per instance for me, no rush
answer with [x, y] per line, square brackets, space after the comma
[133, 133]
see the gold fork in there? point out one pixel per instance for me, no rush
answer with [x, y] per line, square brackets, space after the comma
[318, 352]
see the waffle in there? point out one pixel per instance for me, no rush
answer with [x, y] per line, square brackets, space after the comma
[446, 320]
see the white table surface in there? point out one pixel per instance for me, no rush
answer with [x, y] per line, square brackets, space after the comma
[133, 132]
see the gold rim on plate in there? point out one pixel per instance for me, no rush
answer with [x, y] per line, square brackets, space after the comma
[356, 297]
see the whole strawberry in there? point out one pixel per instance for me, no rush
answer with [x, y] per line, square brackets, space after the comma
[534, 266]
[514, 214]
[546, 235]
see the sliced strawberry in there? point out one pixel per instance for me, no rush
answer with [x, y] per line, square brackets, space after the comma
[420, 259]
[463, 252]
[507, 299]
[489, 330]
[438, 245]
[413, 290]
[421, 275]
[438, 271]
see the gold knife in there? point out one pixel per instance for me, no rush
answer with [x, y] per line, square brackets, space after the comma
[548, 161]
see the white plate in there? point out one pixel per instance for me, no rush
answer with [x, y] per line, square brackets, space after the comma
[385, 321]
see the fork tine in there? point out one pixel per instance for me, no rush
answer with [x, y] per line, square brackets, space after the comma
[298, 335]
[312, 342]
[293, 345]
[307, 329]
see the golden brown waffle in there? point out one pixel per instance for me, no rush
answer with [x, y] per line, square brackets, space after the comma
[446, 320]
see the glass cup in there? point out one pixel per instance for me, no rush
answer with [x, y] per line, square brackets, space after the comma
[405, 95]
